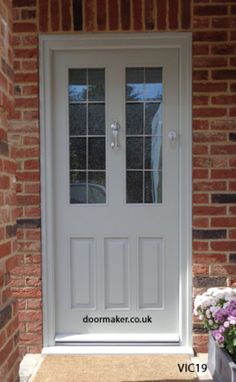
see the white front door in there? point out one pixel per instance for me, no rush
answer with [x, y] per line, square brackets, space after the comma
[115, 154]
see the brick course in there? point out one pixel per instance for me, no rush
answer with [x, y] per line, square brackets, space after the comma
[214, 149]
[9, 331]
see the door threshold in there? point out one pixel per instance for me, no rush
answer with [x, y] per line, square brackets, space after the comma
[118, 338]
[116, 350]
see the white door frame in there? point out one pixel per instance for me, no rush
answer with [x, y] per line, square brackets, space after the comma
[48, 45]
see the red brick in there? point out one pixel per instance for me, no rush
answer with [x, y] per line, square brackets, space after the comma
[210, 36]
[201, 23]
[210, 10]
[5, 249]
[27, 200]
[209, 112]
[24, 27]
[66, 15]
[101, 15]
[223, 149]
[223, 174]
[209, 258]
[200, 222]
[204, 210]
[223, 49]
[224, 22]
[200, 149]
[26, 103]
[26, 77]
[201, 199]
[125, 14]
[173, 8]
[200, 49]
[199, 124]
[199, 269]
[137, 15]
[232, 234]
[223, 245]
[200, 246]
[114, 14]
[24, 3]
[223, 222]
[226, 74]
[209, 87]
[28, 176]
[89, 15]
[30, 315]
[28, 14]
[209, 62]
[4, 182]
[149, 15]
[185, 14]
[209, 137]
[43, 16]
[4, 353]
[199, 75]
[55, 15]
[232, 186]
[161, 14]
[224, 124]
[224, 99]
[232, 112]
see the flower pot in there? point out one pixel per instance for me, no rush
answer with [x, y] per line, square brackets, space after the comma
[220, 364]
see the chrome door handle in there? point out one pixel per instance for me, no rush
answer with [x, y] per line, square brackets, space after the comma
[172, 136]
[115, 127]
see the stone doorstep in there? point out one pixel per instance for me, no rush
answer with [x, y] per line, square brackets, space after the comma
[29, 366]
[31, 363]
[200, 359]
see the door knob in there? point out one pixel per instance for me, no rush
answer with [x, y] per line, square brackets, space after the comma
[172, 136]
[115, 127]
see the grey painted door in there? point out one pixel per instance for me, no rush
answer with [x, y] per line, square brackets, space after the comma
[115, 187]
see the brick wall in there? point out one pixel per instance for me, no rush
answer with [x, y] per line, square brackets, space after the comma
[9, 353]
[213, 23]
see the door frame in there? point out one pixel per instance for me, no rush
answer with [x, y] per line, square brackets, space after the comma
[48, 44]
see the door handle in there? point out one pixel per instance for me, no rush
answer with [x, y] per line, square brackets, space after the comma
[115, 127]
[172, 135]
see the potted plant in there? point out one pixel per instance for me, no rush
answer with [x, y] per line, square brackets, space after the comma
[217, 309]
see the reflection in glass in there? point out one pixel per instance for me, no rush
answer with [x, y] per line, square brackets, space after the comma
[153, 119]
[77, 85]
[134, 153]
[96, 153]
[78, 187]
[96, 85]
[77, 119]
[87, 136]
[153, 81]
[153, 186]
[134, 186]
[96, 187]
[134, 118]
[134, 84]
[96, 119]
[144, 135]
[78, 153]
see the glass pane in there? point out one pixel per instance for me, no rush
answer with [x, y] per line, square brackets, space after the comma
[153, 79]
[96, 119]
[96, 153]
[78, 153]
[134, 118]
[134, 186]
[153, 153]
[153, 119]
[96, 85]
[78, 187]
[134, 84]
[77, 85]
[134, 153]
[77, 119]
[153, 186]
[96, 187]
